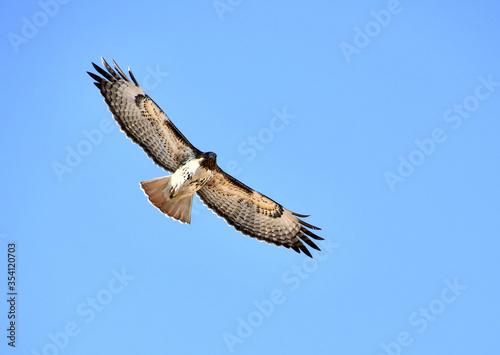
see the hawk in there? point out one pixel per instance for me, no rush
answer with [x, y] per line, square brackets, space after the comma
[194, 171]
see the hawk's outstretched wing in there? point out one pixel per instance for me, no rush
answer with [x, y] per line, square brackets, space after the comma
[141, 118]
[256, 215]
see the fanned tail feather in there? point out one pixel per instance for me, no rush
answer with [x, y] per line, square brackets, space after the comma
[178, 208]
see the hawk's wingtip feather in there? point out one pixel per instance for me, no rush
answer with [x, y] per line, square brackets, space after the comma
[133, 77]
[122, 74]
[303, 248]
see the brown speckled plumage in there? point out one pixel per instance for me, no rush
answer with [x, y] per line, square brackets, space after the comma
[245, 209]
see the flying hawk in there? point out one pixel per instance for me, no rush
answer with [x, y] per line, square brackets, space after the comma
[245, 209]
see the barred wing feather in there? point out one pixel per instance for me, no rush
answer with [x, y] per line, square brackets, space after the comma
[256, 215]
[142, 119]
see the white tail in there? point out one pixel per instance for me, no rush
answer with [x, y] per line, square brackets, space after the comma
[178, 208]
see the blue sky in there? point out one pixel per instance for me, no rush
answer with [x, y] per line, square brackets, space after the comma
[389, 115]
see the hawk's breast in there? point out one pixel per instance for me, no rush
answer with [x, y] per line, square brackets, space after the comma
[190, 177]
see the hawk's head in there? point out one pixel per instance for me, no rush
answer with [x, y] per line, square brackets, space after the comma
[209, 161]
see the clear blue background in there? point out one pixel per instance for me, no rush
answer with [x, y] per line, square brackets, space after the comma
[383, 285]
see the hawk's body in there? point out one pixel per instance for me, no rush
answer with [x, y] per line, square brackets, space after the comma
[194, 171]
